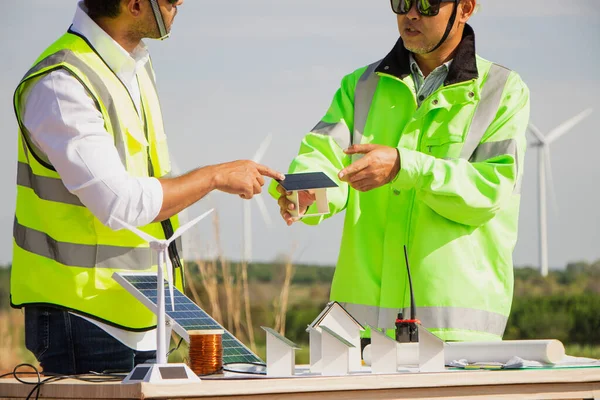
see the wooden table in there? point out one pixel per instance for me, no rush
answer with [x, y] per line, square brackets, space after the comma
[521, 384]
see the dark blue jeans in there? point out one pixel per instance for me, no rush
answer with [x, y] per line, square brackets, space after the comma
[66, 344]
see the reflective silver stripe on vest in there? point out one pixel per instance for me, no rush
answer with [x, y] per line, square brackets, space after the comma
[338, 132]
[432, 318]
[81, 255]
[491, 97]
[363, 98]
[67, 56]
[51, 189]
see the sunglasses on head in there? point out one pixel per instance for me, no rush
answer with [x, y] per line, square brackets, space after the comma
[427, 8]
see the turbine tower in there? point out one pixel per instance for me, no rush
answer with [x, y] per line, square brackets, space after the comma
[544, 166]
[247, 245]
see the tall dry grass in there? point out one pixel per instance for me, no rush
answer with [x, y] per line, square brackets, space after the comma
[12, 341]
[281, 307]
[229, 295]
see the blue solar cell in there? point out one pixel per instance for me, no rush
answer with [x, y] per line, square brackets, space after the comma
[191, 317]
[306, 181]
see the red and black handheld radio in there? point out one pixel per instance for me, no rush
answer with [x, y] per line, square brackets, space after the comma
[406, 329]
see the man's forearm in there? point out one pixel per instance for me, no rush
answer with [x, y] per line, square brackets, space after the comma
[181, 192]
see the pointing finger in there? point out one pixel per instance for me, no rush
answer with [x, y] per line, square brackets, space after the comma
[266, 171]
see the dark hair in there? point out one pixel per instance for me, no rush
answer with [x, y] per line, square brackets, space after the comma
[103, 8]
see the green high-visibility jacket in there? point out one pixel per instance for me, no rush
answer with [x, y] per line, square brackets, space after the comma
[454, 203]
[63, 256]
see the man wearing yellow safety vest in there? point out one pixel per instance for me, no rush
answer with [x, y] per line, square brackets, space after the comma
[92, 149]
[427, 146]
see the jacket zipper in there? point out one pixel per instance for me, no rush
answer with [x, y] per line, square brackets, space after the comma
[412, 199]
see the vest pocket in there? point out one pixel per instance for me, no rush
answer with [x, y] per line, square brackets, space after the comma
[443, 146]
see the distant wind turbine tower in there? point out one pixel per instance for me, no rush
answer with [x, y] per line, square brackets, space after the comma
[247, 240]
[262, 149]
[544, 164]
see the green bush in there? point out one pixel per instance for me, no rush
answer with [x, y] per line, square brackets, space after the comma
[571, 319]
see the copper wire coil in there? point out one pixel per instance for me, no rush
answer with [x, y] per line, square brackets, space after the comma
[206, 351]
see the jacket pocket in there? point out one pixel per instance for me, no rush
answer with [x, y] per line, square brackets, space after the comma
[446, 146]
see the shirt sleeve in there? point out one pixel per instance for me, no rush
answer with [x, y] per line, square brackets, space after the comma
[65, 125]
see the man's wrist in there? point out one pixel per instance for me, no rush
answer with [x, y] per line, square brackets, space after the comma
[397, 167]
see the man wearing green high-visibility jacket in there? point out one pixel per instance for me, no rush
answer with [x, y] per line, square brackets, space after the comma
[427, 146]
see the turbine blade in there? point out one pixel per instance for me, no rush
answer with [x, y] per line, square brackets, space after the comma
[187, 226]
[537, 133]
[567, 126]
[263, 209]
[262, 149]
[169, 267]
[148, 238]
[247, 231]
[550, 179]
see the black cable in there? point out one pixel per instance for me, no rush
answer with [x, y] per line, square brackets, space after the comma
[175, 348]
[413, 311]
[93, 377]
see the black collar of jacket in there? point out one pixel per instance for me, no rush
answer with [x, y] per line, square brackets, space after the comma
[462, 69]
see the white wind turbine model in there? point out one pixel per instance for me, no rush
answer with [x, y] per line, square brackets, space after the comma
[543, 143]
[160, 246]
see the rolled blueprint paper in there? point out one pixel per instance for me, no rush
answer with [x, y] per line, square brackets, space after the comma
[544, 351]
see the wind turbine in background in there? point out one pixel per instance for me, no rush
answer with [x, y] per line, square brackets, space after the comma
[544, 163]
[247, 245]
[247, 240]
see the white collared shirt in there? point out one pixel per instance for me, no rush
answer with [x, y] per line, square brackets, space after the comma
[66, 126]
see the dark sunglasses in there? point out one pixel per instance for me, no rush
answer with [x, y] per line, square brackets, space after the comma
[427, 8]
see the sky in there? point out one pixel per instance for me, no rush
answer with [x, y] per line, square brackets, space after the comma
[236, 71]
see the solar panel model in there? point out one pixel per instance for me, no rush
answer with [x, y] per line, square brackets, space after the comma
[187, 316]
[315, 182]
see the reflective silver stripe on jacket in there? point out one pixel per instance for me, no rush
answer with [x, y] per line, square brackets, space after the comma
[46, 188]
[363, 98]
[68, 57]
[491, 97]
[432, 318]
[489, 150]
[339, 132]
[484, 115]
[81, 255]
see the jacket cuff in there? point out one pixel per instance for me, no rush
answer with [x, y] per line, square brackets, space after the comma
[409, 173]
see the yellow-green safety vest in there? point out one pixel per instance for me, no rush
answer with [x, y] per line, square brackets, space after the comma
[63, 256]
